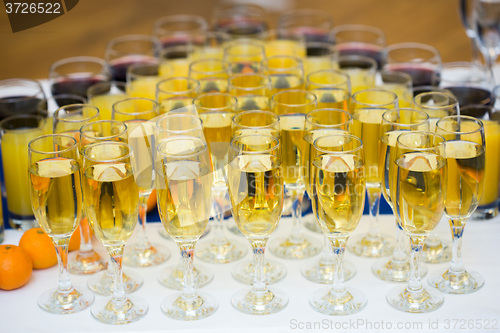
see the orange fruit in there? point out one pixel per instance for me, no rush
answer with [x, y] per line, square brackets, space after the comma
[151, 201]
[39, 247]
[74, 242]
[15, 267]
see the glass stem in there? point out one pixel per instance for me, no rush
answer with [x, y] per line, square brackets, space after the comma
[259, 285]
[119, 298]
[474, 50]
[64, 287]
[85, 240]
[417, 245]
[400, 246]
[142, 239]
[296, 234]
[187, 254]
[457, 227]
[374, 205]
[327, 253]
[338, 247]
[219, 235]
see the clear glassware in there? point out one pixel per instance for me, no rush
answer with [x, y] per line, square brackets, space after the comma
[176, 93]
[252, 91]
[240, 20]
[244, 56]
[211, 73]
[331, 87]
[175, 59]
[465, 143]
[123, 51]
[103, 95]
[367, 109]
[68, 120]
[283, 43]
[210, 45]
[216, 110]
[399, 83]
[76, 74]
[360, 69]
[292, 107]
[55, 160]
[420, 200]
[312, 24]
[320, 56]
[111, 200]
[338, 180]
[465, 11]
[285, 72]
[486, 25]
[137, 114]
[179, 29]
[394, 123]
[183, 162]
[255, 161]
[142, 78]
[319, 123]
[19, 96]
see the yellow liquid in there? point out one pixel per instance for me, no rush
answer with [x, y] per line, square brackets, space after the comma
[141, 139]
[280, 82]
[111, 199]
[492, 166]
[332, 98]
[360, 79]
[56, 195]
[15, 165]
[421, 192]
[285, 48]
[175, 68]
[143, 87]
[387, 167]
[338, 193]
[313, 64]
[174, 103]
[292, 134]
[105, 104]
[217, 131]
[253, 103]
[256, 190]
[405, 95]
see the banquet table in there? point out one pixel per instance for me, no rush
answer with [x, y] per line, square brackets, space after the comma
[476, 312]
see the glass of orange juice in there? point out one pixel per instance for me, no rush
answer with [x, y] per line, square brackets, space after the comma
[15, 133]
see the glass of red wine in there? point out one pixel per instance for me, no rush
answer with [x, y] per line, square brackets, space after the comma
[121, 52]
[19, 96]
[421, 61]
[240, 20]
[179, 29]
[76, 74]
[358, 39]
[314, 25]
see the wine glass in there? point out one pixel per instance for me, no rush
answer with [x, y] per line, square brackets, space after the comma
[211, 73]
[319, 123]
[255, 181]
[54, 178]
[185, 123]
[136, 113]
[420, 196]
[178, 29]
[486, 25]
[68, 120]
[465, 11]
[368, 106]
[252, 91]
[111, 201]
[76, 74]
[19, 96]
[360, 69]
[331, 87]
[184, 184]
[216, 111]
[394, 123]
[244, 56]
[338, 195]
[285, 72]
[313, 25]
[292, 107]
[465, 153]
[176, 93]
[242, 20]
[104, 94]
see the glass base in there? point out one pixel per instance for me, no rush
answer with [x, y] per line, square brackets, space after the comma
[273, 272]
[173, 277]
[22, 224]
[133, 309]
[140, 256]
[436, 253]
[395, 270]
[263, 303]
[224, 253]
[372, 247]
[178, 307]
[103, 283]
[86, 263]
[287, 249]
[322, 272]
[54, 302]
[312, 225]
[423, 301]
[338, 304]
[452, 283]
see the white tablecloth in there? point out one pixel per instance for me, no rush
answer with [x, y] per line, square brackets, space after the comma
[19, 311]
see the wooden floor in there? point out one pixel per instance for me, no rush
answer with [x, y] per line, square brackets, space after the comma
[87, 28]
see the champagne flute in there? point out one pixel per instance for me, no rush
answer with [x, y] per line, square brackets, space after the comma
[283, 43]
[167, 126]
[176, 59]
[211, 73]
[255, 180]
[111, 201]
[142, 78]
[252, 91]
[465, 153]
[394, 123]
[486, 25]
[419, 199]
[319, 123]
[68, 120]
[331, 87]
[285, 72]
[244, 56]
[136, 113]
[292, 107]
[338, 195]
[216, 111]
[54, 178]
[183, 181]
[360, 69]
[367, 109]
[399, 83]
[319, 56]
[104, 94]
[176, 93]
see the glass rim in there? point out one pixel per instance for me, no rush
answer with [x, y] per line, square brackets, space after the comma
[92, 145]
[223, 70]
[158, 26]
[178, 115]
[303, 12]
[258, 48]
[357, 57]
[165, 141]
[234, 101]
[297, 62]
[379, 90]
[90, 90]
[155, 63]
[154, 106]
[397, 73]
[466, 65]
[189, 80]
[20, 116]
[458, 118]
[293, 91]
[110, 121]
[401, 145]
[140, 38]
[452, 98]
[380, 39]
[55, 97]
[414, 46]
[266, 84]
[43, 137]
[14, 82]
[394, 110]
[76, 107]
[333, 71]
[78, 59]
[340, 134]
[310, 114]
[251, 152]
[273, 115]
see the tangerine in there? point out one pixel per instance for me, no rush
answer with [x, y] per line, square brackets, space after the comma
[15, 267]
[39, 247]
[151, 201]
[74, 242]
